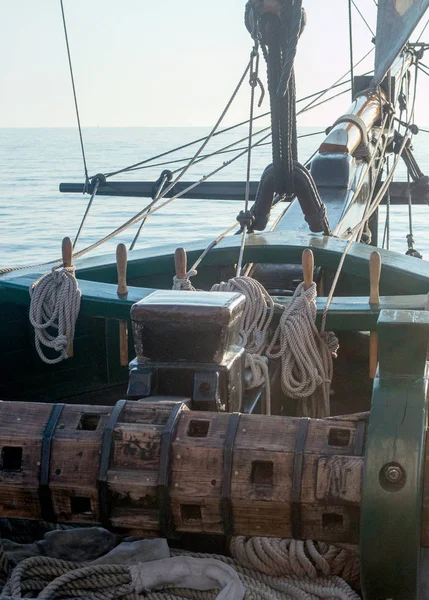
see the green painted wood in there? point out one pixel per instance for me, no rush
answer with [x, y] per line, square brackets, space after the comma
[401, 274]
[97, 279]
[353, 313]
[391, 510]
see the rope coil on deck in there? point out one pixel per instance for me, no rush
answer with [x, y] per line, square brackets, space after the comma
[261, 569]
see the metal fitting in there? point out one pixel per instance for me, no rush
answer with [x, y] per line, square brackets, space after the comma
[394, 473]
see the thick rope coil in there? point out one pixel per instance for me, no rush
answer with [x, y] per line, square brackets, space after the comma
[262, 586]
[55, 304]
[257, 316]
[262, 568]
[306, 356]
[285, 557]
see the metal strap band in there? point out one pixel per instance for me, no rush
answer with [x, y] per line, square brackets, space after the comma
[225, 500]
[166, 519]
[106, 449]
[298, 463]
[358, 449]
[45, 498]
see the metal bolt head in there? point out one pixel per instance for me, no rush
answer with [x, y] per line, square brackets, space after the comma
[393, 473]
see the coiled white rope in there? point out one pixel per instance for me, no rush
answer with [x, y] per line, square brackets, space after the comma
[305, 355]
[55, 304]
[296, 558]
[255, 323]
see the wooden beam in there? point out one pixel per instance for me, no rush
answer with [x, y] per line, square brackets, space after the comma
[346, 137]
[214, 190]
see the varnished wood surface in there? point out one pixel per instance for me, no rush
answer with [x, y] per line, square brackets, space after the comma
[346, 137]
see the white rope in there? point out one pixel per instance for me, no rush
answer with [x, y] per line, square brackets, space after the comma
[306, 356]
[262, 586]
[255, 323]
[185, 283]
[55, 304]
[288, 557]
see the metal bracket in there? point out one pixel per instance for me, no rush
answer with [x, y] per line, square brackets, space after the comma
[45, 497]
[391, 507]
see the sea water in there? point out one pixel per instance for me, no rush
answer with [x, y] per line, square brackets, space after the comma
[35, 216]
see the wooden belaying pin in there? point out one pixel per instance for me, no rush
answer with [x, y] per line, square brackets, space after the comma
[67, 256]
[374, 298]
[180, 263]
[121, 265]
[307, 267]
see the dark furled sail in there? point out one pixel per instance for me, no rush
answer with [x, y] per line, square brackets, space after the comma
[396, 20]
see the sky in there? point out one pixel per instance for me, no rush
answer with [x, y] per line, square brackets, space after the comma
[164, 62]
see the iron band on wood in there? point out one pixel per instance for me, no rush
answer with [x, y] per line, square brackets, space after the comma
[106, 448]
[298, 463]
[359, 447]
[225, 500]
[45, 498]
[166, 519]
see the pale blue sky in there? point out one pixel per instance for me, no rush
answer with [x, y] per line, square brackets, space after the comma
[159, 62]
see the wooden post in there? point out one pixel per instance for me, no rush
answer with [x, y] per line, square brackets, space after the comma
[180, 263]
[67, 255]
[307, 267]
[374, 298]
[121, 264]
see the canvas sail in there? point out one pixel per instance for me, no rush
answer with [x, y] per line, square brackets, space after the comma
[396, 20]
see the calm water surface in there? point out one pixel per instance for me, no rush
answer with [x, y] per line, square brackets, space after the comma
[35, 217]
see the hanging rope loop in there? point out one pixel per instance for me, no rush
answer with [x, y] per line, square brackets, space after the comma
[305, 355]
[55, 305]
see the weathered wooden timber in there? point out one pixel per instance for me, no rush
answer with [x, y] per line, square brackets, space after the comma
[273, 476]
[157, 463]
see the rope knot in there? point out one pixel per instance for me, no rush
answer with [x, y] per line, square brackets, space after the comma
[185, 283]
[60, 344]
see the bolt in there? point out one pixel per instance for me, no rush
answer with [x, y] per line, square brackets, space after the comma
[393, 473]
[205, 388]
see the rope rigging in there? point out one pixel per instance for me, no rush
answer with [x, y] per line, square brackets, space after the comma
[82, 147]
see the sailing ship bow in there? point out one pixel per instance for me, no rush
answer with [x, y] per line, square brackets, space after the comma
[396, 20]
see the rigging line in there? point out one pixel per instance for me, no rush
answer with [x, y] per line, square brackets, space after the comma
[224, 150]
[94, 192]
[306, 109]
[363, 18]
[367, 169]
[204, 139]
[212, 245]
[374, 205]
[422, 31]
[372, 189]
[135, 166]
[208, 138]
[386, 234]
[136, 237]
[351, 47]
[74, 95]
[338, 80]
[253, 83]
[150, 208]
[424, 71]
[410, 204]
[355, 233]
